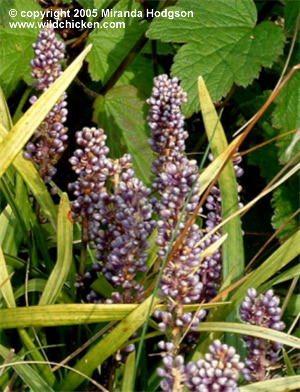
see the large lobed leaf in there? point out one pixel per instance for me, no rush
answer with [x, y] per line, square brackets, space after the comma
[111, 45]
[122, 114]
[286, 117]
[15, 44]
[222, 44]
[21, 132]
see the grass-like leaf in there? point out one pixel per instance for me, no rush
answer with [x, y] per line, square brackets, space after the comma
[276, 385]
[281, 257]
[127, 383]
[34, 182]
[21, 132]
[251, 330]
[32, 379]
[283, 277]
[108, 345]
[64, 253]
[6, 288]
[72, 314]
[233, 248]
[5, 118]
[233, 262]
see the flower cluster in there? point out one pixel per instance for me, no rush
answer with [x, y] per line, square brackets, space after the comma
[175, 179]
[92, 166]
[217, 372]
[49, 139]
[125, 217]
[264, 311]
[113, 208]
[210, 269]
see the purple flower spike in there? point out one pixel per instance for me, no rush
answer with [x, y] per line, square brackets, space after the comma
[175, 177]
[51, 136]
[264, 311]
[217, 372]
[92, 167]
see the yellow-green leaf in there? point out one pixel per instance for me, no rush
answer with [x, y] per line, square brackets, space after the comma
[277, 385]
[64, 253]
[21, 132]
[31, 378]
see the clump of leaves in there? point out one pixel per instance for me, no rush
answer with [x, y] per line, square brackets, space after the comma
[236, 60]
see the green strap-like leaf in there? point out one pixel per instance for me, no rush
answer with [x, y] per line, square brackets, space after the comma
[6, 288]
[32, 379]
[277, 385]
[21, 132]
[34, 182]
[251, 330]
[64, 253]
[233, 263]
[232, 250]
[72, 314]
[127, 383]
[107, 346]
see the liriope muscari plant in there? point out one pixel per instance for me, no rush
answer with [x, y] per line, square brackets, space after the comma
[211, 267]
[264, 311]
[185, 279]
[48, 142]
[175, 177]
[218, 371]
[113, 208]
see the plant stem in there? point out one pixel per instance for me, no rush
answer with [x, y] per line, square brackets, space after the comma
[18, 113]
[82, 253]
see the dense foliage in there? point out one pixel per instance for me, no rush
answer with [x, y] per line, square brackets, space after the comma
[149, 196]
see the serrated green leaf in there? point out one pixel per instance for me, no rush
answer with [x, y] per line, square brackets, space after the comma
[276, 385]
[101, 3]
[285, 201]
[64, 253]
[135, 73]
[31, 378]
[5, 6]
[222, 44]
[111, 45]
[21, 132]
[291, 10]
[15, 46]
[121, 113]
[286, 117]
